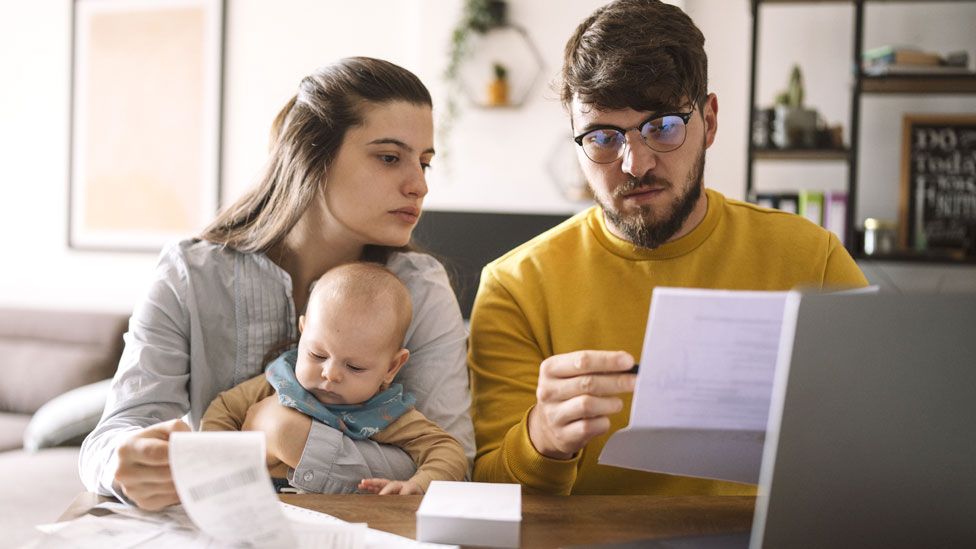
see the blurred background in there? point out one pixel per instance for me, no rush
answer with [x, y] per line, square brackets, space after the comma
[513, 159]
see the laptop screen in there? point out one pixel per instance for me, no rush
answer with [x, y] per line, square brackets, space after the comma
[872, 438]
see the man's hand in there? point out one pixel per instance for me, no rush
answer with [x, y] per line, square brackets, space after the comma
[143, 473]
[574, 399]
[384, 487]
[285, 429]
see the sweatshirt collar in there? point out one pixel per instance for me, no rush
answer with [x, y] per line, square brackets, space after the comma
[624, 248]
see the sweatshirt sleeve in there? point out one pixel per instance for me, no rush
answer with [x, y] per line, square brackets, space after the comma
[229, 408]
[504, 361]
[840, 270]
[437, 455]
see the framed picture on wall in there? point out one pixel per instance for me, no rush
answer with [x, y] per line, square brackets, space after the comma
[938, 183]
[145, 121]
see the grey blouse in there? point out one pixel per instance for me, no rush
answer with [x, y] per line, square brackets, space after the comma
[210, 316]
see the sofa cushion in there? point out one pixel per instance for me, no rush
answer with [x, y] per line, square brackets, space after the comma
[68, 418]
[12, 427]
[45, 353]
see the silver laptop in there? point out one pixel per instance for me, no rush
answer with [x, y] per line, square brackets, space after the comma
[875, 443]
[872, 434]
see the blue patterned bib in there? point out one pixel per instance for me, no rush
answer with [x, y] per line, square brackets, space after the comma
[358, 421]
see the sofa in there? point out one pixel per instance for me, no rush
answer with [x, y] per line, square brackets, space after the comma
[56, 368]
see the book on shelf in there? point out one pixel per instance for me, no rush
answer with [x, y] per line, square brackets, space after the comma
[810, 205]
[901, 69]
[900, 55]
[787, 202]
[835, 214]
[825, 208]
[767, 200]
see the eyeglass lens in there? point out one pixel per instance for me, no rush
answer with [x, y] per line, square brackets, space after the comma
[663, 134]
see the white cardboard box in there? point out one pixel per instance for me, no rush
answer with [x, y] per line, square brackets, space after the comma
[471, 513]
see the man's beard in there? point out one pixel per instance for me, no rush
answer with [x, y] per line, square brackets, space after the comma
[643, 228]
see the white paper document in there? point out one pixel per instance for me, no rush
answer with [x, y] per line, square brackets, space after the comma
[224, 486]
[227, 502]
[701, 402]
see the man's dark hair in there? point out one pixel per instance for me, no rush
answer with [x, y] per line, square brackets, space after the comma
[640, 54]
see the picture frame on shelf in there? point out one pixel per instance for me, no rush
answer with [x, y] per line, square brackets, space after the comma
[937, 210]
[145, 121]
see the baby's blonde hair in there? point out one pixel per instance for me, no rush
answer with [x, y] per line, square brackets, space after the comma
[371, 286]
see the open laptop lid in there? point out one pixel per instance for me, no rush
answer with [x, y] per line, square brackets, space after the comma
[872, 434]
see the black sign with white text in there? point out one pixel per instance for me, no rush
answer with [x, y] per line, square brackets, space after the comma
[939, 182]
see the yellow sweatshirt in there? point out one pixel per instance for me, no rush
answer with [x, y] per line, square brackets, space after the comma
[577, 286]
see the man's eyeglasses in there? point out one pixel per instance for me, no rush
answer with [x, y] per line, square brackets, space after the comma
[660, 132]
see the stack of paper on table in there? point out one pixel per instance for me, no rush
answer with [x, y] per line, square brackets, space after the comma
[471, 513]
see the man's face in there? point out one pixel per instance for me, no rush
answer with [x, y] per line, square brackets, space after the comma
[649, 197]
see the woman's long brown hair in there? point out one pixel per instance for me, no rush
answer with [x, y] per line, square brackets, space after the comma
[305, 138]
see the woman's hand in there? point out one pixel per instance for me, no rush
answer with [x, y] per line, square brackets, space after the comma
[574, 398]
[385, 487]
[143, 473]
[285, 429]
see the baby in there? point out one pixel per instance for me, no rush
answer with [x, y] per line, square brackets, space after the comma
[349, 351]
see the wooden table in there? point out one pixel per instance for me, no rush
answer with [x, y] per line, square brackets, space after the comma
[547, 521]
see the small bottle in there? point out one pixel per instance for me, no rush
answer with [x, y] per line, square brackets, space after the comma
[879, 236]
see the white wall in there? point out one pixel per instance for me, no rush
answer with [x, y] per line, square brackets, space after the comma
[496, 159]
[37, 269]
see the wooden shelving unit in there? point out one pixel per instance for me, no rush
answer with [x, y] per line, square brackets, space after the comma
[919, 84]
[913, 84]
[801, 154]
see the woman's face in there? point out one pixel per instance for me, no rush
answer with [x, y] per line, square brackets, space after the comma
[375, 187]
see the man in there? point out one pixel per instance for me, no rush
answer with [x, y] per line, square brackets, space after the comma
[559, 320]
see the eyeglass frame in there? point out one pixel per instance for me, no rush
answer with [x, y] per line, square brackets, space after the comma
[684, 116]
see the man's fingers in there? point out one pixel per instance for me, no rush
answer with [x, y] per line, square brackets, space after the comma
[391, 488]
[586, 429]
[581, 407]
[558, 389]
[586, 362]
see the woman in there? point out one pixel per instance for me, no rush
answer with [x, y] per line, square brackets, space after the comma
[345, 181]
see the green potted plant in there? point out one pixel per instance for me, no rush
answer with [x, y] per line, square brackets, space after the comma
[498, 88]
[794, 126]
[477, 17]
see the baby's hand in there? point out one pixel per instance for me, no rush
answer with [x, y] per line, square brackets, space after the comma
[385, 487]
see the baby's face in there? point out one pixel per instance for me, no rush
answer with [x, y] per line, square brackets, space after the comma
[345, 355]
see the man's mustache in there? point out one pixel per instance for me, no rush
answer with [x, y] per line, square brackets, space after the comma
[634, 184]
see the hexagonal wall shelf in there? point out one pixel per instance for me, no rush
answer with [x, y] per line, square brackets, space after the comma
[509, 47]
[564, 171]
